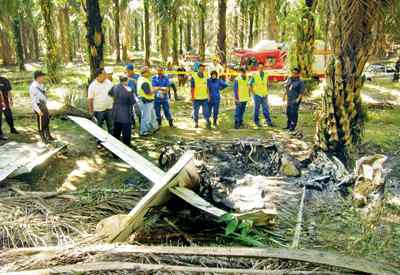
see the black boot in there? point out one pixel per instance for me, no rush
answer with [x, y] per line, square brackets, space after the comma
[208, 126]
[215, 122]
[159, 122]
[48, 136]
[10, 121]
[43, 137]
[171, 123]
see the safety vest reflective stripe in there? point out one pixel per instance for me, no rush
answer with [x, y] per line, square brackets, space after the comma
[260, 85]
[141, 93]
[243, 89]
[200, 87]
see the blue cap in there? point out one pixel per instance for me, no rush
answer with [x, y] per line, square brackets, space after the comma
[130, 67]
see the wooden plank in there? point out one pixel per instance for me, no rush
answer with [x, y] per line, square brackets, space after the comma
[156, 196]
[262, 216]
[139, 163]
[156, 268]
[305, 255]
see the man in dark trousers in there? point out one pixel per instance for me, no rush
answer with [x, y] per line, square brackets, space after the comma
[5, 90]
[294, 89]
[39, 105]
[122, 110]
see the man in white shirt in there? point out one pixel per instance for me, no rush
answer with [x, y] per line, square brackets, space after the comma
[39, 105]
[216, 66]
[100, 103]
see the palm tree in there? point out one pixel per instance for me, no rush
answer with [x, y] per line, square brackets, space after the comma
[272, 9]
[305, 37]
[94, 36]
[221, 40]
[47, 7]
[353, 33]
[116, 29]
[146, 30]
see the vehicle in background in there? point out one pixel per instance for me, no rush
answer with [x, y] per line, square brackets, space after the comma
[275, 58]
[379, 71]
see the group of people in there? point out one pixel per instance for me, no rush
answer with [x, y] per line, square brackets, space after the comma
[142, 101]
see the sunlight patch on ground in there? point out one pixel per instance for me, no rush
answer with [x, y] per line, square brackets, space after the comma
[392, 92]
[368, 99]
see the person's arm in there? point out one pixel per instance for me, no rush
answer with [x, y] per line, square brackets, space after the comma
[251, 83]
[35, 106]
[236, 91]
[223, 84]
[302, 88]
[10, 97]
[192, 87]
[1, 101]
[146, 89]
[90, 99]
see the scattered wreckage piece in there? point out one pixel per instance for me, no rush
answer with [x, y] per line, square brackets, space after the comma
[41, 257]
[183, 173]
[21, 158]
[370, 181]
[259, 216]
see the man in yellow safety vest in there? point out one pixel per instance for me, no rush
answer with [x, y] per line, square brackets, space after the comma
[200, 96]
[148, 123]
[242, 95]
[259, 89]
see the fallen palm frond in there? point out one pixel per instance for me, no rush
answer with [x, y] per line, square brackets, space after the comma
[210, 257]
[34, 220]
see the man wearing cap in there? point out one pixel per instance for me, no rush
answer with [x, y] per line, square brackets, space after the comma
[294, 89]
[122, 111]
[242, 95]
[37, 93]
[132, 83]
[200, 96]
[160, 83]
[5, 106]
[259, 89]
[109, 72]
[100, 103]
[148, 123]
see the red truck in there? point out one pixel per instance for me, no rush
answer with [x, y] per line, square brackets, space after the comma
[274, 60]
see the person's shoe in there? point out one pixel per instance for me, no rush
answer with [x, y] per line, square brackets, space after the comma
[14, 131]
[48, 136]
[3, 137]
[196, 125]
[44, 138]
[208, 126]
[291, 130]
[270, 124]
[159, 121]
[215, 123]
[171, 123]
[285, 128]
[237, 125]
[257, 124]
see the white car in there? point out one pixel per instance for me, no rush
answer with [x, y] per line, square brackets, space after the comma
[379, 71]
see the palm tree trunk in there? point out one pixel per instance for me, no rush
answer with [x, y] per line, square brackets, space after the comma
[19, 48]
[116, 22]
[94, 36]
[272, 26]
[136, 34]
[175, 38]
[180, 36]
[235, 29]
[243, 23]
[251, 23]
[221, 39]
[146, 28]
[6, 51]
[305, 39]
[63, 33]
[164, 41]
[188, 37]
[202, 30]
[340, 122]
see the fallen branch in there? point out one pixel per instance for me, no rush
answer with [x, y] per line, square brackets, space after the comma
[311, 256]
[299, 225]
[138, 267]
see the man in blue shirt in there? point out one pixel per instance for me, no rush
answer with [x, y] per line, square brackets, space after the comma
[132, 83]
[215, 86]
[160, 83]
[294, 89]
